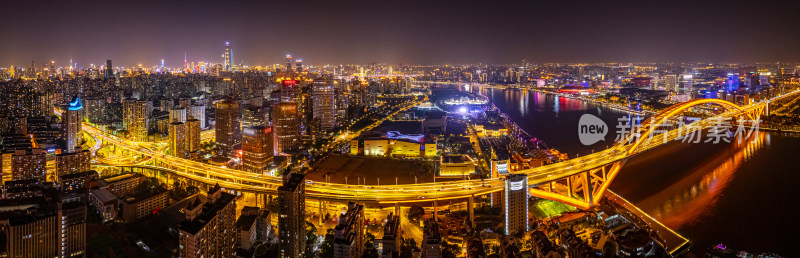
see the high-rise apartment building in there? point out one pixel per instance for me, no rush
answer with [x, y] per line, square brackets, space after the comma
[177, 139]
[257, 148]
[136, 118]
[73, 162]
[392, 236]
[515, 204]
[192, 136]
[291, 219]
[349, 234]
[29, 164]
[285, 126]
[71, 124]
[199, 113]
[209, 229]
[324, 108]
[228, 125]
[431, 239]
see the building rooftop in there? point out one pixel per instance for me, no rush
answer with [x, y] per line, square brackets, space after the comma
[209, 212]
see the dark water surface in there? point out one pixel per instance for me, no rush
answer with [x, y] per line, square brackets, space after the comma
[742, 195]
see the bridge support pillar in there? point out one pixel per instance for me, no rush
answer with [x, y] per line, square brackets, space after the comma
[435, 211]
[320, 210]
[589, 190]
[397, 209]
[471, 211]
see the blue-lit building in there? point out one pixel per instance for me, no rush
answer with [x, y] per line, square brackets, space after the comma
[71, 124]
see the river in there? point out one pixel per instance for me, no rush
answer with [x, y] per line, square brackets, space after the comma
[744, 196]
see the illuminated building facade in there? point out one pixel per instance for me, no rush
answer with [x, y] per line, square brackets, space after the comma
[291, 220]
[177, 139]
[228, 125]
[228, 56]
[286, 127]
[324, 104]
[29, 165]
[515, 204]
[73, 162]
[136, 118]
[72, 124]
[257, 148]
[192, 136]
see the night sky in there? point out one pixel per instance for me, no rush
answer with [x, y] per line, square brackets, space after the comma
[410, 32]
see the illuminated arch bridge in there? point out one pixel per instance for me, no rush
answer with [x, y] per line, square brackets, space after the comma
[580, 182]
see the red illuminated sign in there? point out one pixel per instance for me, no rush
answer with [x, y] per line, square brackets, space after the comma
[289, 82]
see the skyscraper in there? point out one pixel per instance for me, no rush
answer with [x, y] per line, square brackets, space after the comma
[228, 63]
[286, 126]
[228, 125]
[136, 118]
[515, 205]
[257, 148]
[109, 72]
[72, 124]
[199, 113]
[291, 221]
[324, 103]
[671, 82]
[177, 139]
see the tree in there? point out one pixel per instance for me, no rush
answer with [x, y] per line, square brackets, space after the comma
[311, 239]
[450, 250]
[190, 190]
[407, 248]
[369, 247]
[415, 212]
[326, 250]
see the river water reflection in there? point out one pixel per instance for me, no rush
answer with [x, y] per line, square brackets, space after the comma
[742, 195]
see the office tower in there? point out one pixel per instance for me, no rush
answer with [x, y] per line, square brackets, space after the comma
[285, 126]
[671, 82]
[29, 165]
[288, 63]
[257, 148]
[209, 229]
[109, 72]
[324, 104]
[290, 89]
[136, 118]
[177, 139]
[199, 113]
[686, 82]
[73, 162]
[299, 65]
[228, 125]
[72, 124]
[392, 237]
[732, 82]
[292, 218]
[192, 136]
[431, 239]
[228, 63]
[254, 116]
[349, 234]
[515, 204]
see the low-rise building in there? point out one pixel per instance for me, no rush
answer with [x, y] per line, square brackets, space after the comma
[137, 206]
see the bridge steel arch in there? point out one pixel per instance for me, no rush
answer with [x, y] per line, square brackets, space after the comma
[584, 189]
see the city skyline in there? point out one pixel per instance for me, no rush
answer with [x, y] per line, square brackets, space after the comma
[413, 33]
